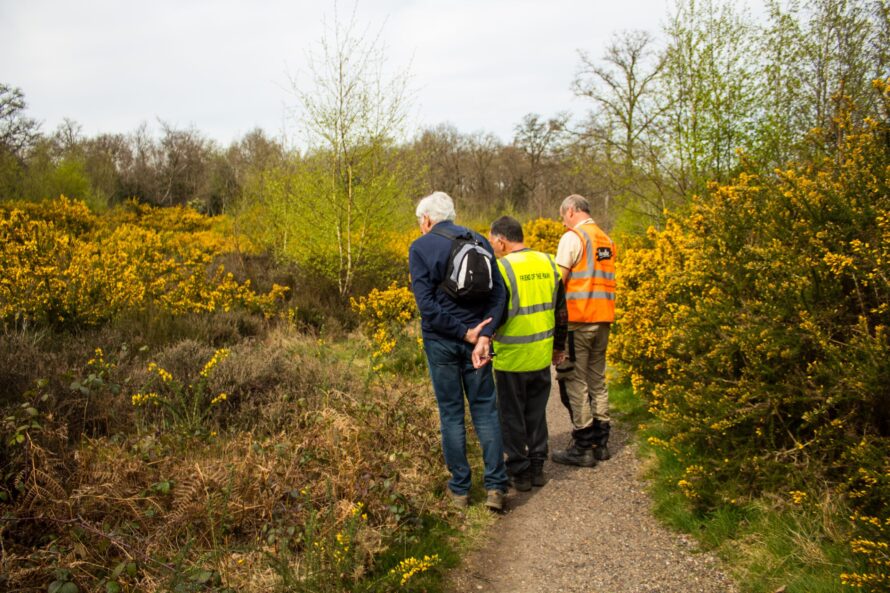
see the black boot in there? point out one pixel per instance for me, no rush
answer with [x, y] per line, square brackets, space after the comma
[601, 432]
[538, 477]
[523, 481]
[575, 455]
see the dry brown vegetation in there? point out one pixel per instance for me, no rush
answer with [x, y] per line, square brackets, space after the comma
[302, 476]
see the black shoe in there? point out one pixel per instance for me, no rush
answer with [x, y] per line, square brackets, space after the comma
[523, 481]
[601, 452]
[575, 455]
[538, 477]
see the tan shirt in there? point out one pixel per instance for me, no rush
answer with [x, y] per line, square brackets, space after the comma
[570, 248]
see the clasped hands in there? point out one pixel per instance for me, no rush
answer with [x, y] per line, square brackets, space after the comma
[482, 350]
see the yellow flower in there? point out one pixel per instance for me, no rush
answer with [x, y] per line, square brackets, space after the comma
[165, 376]
[797, 496]
[214, 360]
[143, 399]
[409, 567]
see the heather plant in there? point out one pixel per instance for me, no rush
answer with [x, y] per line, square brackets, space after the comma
[756, 327]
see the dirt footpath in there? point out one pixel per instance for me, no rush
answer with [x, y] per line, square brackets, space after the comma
[586, 531]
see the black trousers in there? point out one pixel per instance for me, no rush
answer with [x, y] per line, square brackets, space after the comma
[522, 407]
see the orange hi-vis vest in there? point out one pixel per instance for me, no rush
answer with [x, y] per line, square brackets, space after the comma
[590, 288]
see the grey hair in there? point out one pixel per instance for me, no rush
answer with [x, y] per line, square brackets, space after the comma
[575, 201]
[438, 206]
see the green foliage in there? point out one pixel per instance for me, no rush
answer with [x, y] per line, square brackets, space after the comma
[337, 233]
[48, 180]
[328, 209]
[11, 175]
[724, 88]
[710, 84]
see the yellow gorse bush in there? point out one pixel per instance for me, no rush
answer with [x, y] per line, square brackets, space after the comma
[62, 265]
[162, 374]
[218, 356]
[384, 316]
[143, 399]
[543, 234]
[756, 326]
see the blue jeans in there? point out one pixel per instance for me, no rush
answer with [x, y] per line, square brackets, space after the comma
[452, 373]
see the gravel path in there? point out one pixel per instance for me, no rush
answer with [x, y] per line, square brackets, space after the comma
[586, 531]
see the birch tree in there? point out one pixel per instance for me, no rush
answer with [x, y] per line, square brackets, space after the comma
[354, 190]
[710, 85]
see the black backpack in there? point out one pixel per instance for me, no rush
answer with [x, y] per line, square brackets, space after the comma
[468, 276]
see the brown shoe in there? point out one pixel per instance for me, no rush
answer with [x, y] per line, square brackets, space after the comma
[459, 501]
[495, 500]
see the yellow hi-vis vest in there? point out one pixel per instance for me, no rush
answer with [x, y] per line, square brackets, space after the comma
[525, 341]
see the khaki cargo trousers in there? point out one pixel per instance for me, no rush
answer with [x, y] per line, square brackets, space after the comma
[584, 374]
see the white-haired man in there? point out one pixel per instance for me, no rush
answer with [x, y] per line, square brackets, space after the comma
[457, 341]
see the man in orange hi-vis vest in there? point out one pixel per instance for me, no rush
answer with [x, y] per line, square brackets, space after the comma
[586, 257]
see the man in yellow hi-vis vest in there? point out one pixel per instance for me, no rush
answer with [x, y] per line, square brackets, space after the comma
[529, 338]
[586, 257]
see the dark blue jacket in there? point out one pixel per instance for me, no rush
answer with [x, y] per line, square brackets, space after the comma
[441, 316]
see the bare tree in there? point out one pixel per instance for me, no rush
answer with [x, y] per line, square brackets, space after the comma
[623, 126]
[182, 159]
[17, 132]
[622, 87]
[540, 141]
[482, 148]
[442, 159]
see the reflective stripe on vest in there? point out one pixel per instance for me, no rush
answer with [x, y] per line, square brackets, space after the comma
[525, 341]
[590, 288]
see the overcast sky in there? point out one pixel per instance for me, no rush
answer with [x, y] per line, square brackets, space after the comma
[224, 67]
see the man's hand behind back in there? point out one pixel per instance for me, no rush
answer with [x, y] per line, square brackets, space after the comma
[472, 335]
